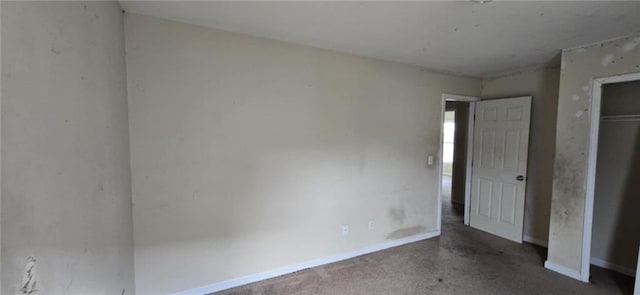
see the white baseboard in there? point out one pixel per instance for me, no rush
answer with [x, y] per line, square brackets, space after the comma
[564, 271]
[232, 283]
[612, 266]
[532, 240]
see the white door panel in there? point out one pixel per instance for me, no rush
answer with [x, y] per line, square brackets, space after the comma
[501, 144]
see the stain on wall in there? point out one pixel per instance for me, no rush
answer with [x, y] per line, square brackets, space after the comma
[406, 232]
[581, 66]
[397, 215]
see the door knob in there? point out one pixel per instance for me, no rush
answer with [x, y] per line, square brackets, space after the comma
[520, 178]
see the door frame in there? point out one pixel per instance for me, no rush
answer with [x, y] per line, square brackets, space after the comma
[636, 288]
[596, 102]
[469, 145]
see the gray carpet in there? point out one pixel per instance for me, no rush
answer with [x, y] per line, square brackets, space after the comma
[462, 261]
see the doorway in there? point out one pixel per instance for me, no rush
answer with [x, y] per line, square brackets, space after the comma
[453, 161]
[611, 237]
[455, 158]
[497, 139]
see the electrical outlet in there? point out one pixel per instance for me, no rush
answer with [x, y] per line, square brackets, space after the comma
[372, 224]
[345, 229]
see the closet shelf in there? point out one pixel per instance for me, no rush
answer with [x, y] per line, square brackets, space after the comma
[620, 118]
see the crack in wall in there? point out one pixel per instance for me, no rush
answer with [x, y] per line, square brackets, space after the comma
[28, 285]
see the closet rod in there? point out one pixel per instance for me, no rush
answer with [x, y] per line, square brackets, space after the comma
[620, 118]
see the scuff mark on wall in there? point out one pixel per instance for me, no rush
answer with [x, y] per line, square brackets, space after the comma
[59, 45]
[28, 285]
[631, 45]
[608, 59]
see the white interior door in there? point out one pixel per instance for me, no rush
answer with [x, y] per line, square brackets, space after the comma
[500, 145]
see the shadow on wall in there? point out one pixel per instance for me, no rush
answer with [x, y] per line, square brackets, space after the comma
[544, 163]
[623, 246]
[627, 233]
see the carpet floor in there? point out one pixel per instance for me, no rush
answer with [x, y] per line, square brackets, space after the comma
[462, 260]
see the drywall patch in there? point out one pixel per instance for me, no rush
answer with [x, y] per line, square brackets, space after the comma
[579, 114]
[575, 97]
[28, 285]
[607, 59]
[406, 232]
[631, 44]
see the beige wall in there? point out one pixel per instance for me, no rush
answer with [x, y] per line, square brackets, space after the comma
[542, 85]
[66, 198]
[249, 154]
[616, 222]
[580, 67]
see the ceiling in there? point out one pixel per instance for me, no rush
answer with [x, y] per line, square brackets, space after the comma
[464, 37]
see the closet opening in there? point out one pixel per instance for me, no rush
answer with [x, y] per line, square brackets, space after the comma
[612, 231]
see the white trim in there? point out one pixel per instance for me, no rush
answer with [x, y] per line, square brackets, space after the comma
[612, 266]
[1, 159]
[532, 240]
[232, 283]
[562, 270]
[469, 169]
[596, 98]
[591, 178]
[440, 164]
[467, 192]
[463, 98]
